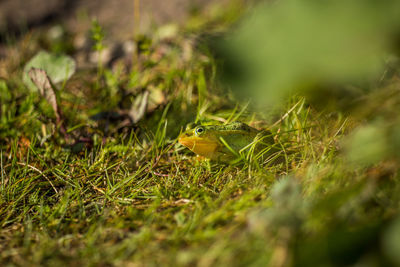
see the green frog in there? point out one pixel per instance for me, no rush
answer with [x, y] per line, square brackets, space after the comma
[224, 143]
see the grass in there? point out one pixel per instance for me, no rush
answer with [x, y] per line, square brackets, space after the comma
[134, 197]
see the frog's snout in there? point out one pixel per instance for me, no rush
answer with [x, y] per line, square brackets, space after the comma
[184, 140]
[182, 135]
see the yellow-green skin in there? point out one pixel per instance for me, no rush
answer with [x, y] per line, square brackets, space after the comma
[224, 142]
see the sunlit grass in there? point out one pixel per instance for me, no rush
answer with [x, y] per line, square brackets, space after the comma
[135, 196]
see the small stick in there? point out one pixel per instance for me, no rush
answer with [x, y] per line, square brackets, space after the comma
[287, 113]
[39, 171]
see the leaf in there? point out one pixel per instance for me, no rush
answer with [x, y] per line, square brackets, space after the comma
[138, 108]
[156, 98]
[59, 68]
[147, 101]
[42, 81]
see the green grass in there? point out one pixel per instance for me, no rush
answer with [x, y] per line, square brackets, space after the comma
[135, 196]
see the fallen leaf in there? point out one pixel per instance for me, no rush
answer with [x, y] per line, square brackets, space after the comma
[58, 67]
[156, 98]
[42, 81]
[23, 144]
[147, 101]
[138, 108]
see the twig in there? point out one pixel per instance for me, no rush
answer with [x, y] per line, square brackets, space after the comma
[160, 174]
[287, 113]
[39, 171]
[3, 182]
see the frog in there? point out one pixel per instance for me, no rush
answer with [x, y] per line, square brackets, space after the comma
[224, 143]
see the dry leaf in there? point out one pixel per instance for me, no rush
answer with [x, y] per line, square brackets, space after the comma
[57, 66]
[156, 98]
[138, 108]
[42, 81]
[23, 144]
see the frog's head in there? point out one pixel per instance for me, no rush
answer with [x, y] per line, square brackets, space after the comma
[200, 139]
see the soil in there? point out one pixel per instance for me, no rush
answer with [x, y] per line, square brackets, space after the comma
[119, 18]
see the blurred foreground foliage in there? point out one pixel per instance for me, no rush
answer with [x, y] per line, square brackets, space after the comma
[285, 47]
[114, 188]
[342, 55]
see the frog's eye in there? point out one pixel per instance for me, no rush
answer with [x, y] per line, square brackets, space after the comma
[199, 130]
